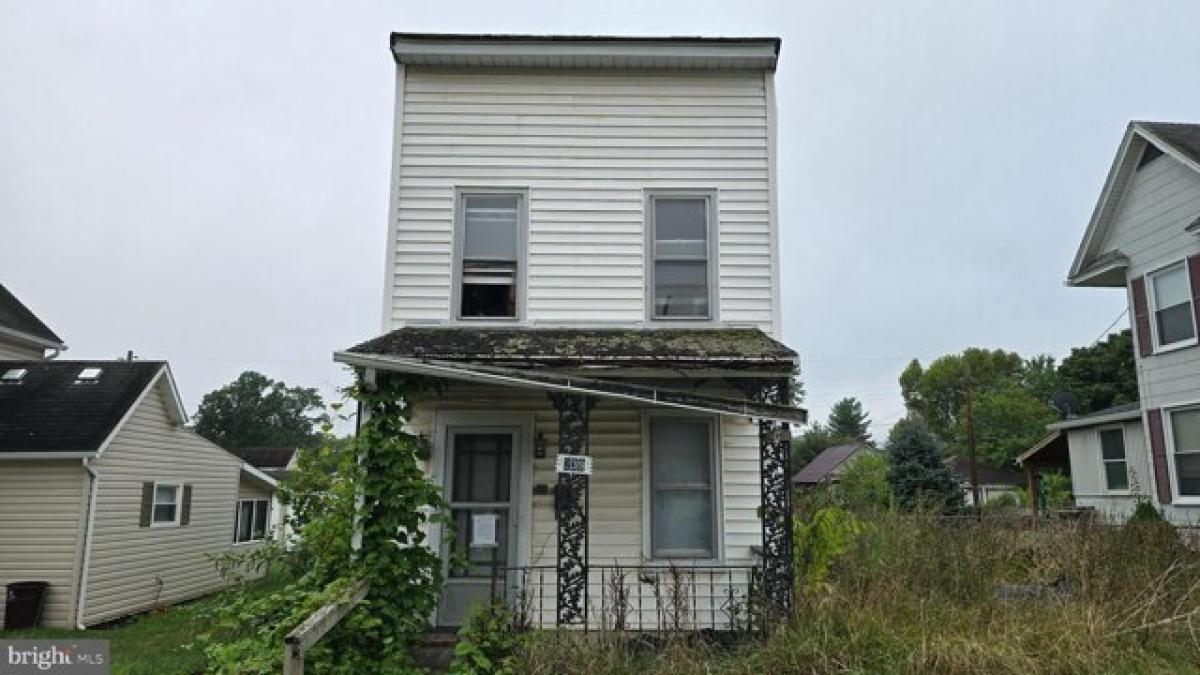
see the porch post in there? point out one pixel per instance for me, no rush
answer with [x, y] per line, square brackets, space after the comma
[570, 510]
[775, 449]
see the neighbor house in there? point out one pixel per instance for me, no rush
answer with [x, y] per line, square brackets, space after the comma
[276, 463]
[22, 334]
[1144, 238]
[829, 464]
[990, 480]
[106, 496]
[583, 249]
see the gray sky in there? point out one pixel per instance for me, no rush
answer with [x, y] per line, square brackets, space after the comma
[207, 182]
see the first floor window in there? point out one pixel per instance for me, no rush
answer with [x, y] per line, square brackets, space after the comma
[1112, 451]
[491, 244]
[1174, 318]
[251, 520]
[682, 487]
[166, 504]
[1185, 443]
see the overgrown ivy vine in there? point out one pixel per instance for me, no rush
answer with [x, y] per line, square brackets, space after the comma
[376, 480]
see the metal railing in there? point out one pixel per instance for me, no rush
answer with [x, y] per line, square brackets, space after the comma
[641, 598]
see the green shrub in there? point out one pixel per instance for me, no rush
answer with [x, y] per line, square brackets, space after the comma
[487, 643]
[863, 484]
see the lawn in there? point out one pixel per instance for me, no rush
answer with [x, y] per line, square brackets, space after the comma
[158, 643]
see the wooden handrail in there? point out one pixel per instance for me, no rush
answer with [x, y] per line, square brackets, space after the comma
[315, 627]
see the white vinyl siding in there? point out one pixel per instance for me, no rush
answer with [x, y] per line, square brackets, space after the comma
[18, 351]
[135, 568]
[42, 512]
[1161, 200]
[1089, 470]
[585, 146]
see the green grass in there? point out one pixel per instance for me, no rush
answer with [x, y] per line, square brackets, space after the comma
[158, 643]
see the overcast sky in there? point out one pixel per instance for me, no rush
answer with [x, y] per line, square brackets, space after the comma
[207, 182]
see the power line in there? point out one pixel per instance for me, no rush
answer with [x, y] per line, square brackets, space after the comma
[1110, 326]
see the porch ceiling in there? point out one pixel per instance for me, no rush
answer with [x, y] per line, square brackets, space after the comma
[550, 380]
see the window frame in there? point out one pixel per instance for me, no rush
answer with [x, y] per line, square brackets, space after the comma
[717, 555]
[1152, 308]
[1105, 462]
[459, 241]
[709, 195]
[237, 520]
[1169, 441]
[154, 522]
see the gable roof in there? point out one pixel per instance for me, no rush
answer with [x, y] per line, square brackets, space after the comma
[265, 458]
[824, 464]
[1092, 265]
[49, 412]
[16, 319]
[584, 51]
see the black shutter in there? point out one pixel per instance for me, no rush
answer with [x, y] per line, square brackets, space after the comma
[1141, 317]
[147, 504]
[185, 516]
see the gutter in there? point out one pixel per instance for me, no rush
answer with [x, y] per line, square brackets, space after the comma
[85, 565]
[1083, 422]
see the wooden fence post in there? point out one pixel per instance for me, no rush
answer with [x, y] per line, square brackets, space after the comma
[314, 627]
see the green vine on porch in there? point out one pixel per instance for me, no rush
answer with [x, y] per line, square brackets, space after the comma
[376, 482]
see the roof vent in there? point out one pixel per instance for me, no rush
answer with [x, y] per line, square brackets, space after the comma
[13, 375]
[88, 375]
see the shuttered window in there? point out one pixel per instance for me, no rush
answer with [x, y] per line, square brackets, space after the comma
[681, 267]
[1171, 302]
[1185, 445]
[1112, 451]
[165, 509]
[682, 487]
[491, 246]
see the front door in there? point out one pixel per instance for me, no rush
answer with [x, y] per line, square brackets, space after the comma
[481, 488]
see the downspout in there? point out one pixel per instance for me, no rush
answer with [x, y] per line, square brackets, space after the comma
[89, 528]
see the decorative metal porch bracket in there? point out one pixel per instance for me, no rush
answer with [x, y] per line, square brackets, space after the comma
[571, 510]
[774, 443]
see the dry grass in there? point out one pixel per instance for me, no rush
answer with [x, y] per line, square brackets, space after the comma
[927, 595]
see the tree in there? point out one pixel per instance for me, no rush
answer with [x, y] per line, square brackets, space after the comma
[916, 472]
[1011, 400]
[863, 484]
[1102, 375]
[255, 410]
[847, 418]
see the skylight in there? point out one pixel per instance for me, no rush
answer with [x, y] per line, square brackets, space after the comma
[88, 376]
[13, 376]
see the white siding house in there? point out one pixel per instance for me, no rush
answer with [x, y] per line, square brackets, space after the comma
[582, 246]
[1143, 238]
[107, 497]
[23, 335]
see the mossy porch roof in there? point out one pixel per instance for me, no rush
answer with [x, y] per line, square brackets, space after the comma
[557, 345]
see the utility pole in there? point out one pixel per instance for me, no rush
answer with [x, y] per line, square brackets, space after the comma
[971, 450]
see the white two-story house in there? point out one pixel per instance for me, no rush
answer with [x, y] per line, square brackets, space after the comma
[1144, 237]
[583, 248]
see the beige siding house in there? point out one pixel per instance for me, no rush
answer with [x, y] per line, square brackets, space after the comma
[107, 497]
[1144, 237]
[582, 248]
[23, 335]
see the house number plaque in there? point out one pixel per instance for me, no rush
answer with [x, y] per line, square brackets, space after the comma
[575, 465]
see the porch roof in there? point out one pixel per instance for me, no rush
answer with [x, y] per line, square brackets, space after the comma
[673, 348]
[550, 380]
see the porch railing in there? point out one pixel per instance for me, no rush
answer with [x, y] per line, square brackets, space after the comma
[641, 598]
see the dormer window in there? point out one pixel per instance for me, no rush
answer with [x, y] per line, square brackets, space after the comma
[682, 255]
[1174, 320]
[489, 266]
[13, 376]
[88, 376]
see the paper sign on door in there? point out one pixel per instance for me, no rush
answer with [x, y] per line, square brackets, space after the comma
[483, 530]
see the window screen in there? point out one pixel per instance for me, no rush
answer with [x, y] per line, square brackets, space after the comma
[680, 249]
[482, 480]
[681, 488]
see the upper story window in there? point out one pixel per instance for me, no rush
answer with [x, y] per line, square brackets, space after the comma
[489, 266]
[1112, 452]
[1171, 303]
[682, 256]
